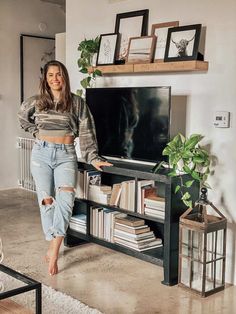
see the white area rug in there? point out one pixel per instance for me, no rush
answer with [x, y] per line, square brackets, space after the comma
[53, 302]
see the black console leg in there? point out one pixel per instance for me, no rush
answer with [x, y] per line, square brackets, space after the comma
[71, 241]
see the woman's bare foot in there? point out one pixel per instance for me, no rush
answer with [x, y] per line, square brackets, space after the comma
[52, 255]
[52, 266]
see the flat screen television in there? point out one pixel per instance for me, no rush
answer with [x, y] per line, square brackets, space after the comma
[132, 123]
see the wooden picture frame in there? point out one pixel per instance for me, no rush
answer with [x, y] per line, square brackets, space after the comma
[183, 43]
[107, 49]
[130, 24]
[35, 52]
[141, 49]
[160, 30]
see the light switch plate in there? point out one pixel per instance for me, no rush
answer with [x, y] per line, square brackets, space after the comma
[222, 119]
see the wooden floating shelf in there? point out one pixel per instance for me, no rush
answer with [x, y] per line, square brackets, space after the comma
[116, 69]
[159, 67]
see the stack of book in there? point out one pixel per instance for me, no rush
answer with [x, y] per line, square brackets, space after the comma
[99, 193]
[132, 232]
[78, 222]
[154, 206]
[144, 188]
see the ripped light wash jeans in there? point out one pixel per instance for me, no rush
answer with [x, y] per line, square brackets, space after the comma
[54, 167]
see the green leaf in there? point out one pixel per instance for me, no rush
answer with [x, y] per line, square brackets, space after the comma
[172, 174]
[187, 169]
[177, 188]
[188, 183]
[84, 70]
[195, 175]
[85, 82]
[186, 196]
[193, 141]
[98, 72]
[79, 92]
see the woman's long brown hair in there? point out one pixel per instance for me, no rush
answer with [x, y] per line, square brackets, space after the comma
[46, 97]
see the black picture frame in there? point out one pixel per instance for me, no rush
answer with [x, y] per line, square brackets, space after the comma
[183, 43]
[35, 52]
[130, 24]
[107, 50]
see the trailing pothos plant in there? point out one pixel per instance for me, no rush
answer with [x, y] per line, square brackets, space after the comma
[185, 155]
[87, 47]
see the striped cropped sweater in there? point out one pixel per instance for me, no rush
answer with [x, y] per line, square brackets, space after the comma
[78, 122]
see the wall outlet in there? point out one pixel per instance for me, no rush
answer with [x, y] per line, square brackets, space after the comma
[222, 119]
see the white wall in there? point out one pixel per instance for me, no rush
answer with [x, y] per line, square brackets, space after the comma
[206, 92]
[18, 17]
[60, 52]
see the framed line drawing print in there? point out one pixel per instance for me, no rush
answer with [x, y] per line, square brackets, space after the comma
[183, 43]
[107, 49]
[160, 31]
[141, 49]
[35, 52]
[130, 24]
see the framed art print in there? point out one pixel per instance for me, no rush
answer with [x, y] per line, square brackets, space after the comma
[107, 49]
[141, 49]
[130, 24]
[183, 43]
[160, 30]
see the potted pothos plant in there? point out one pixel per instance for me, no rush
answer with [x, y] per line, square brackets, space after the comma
[185, 155]
[88, 48]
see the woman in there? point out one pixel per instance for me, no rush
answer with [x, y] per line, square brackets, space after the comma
[55, 118]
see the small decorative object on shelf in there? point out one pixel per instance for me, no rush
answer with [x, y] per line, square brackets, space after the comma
[202, 248]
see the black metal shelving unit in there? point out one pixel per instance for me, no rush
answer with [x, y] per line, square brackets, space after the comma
[167, 229]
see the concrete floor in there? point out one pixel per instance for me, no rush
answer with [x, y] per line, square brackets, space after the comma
[104, 279]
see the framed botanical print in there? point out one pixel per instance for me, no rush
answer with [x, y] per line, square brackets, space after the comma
[107, 49]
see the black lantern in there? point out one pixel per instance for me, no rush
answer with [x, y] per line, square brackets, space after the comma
[202, 248]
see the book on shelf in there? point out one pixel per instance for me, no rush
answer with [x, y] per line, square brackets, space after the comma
[82, 218]
[142, 244]
[102, 222]
[115, 194]
[154, 213]
[102, 199]
[103, 189]
[149, 246]
[78, 222]
[141, 185]
[155, 201]
[77, 227]
[79, 190]
[91, 177]
[134, 237]
[130, 220]
[131, 229]
[127, 196]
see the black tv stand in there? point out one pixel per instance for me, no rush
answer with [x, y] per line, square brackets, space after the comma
[167, 228]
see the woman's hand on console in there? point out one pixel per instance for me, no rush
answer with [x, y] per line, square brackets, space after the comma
[98, 164]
